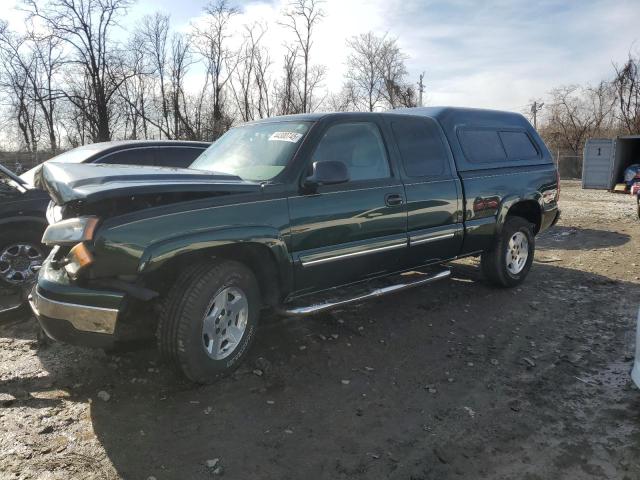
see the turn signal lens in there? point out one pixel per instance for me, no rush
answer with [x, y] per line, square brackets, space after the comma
[77, 259]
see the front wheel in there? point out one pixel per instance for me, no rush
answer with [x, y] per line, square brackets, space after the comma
[509, 262]
[209, 320]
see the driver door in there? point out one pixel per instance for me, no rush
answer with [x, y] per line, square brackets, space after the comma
[351, 231]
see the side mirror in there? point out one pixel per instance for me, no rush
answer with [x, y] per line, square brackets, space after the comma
[327, 173]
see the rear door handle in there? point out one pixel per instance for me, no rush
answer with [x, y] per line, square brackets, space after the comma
[393, 199]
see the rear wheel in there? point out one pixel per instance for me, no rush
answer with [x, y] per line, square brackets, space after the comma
[509, 262]
[209, 319]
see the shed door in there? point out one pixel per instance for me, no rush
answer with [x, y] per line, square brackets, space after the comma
[596, 164]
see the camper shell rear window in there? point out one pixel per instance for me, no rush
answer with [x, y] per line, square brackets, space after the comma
[494, 145]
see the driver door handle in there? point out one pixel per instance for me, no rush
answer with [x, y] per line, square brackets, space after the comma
[393, 199]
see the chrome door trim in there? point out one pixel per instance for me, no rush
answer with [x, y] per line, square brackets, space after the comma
[420, 241]
[307, 263]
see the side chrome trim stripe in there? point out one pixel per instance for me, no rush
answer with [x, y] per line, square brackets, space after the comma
[431, 239]
[307, 263]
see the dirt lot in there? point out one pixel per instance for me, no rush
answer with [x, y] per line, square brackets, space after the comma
[455, 380]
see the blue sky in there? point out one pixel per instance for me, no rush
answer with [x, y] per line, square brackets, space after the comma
[495, 54]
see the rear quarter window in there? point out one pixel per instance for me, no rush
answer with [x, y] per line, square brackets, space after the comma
[518, 146]
[482, 146]
[489, 145]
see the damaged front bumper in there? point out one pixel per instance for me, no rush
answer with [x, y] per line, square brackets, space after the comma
[73, 314]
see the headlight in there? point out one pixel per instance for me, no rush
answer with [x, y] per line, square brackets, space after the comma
[71, 231]
[54, 213]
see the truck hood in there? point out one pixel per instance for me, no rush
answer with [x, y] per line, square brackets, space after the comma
[66, 182]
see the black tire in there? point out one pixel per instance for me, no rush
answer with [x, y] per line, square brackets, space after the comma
[180, 330]
[494, 262]
[21, 235]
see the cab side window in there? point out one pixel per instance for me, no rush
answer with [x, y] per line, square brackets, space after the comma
[421, 147]
[131, 156]
[177, 156]
[359, 146]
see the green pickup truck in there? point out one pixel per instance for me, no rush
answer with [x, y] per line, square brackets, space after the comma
[296, 214]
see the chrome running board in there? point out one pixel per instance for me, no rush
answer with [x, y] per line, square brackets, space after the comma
[423, 279]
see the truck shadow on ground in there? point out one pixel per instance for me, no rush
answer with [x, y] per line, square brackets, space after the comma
[574, 238]
[422, 384]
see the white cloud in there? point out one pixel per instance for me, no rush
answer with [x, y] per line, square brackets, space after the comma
[492, 54]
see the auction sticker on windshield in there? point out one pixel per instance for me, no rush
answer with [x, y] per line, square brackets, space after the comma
[292, 137]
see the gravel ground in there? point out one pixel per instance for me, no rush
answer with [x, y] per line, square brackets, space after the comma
[455, 380]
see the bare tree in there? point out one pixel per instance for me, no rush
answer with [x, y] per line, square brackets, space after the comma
[301, 18]
[49, 57]
[627, 85]
[35, 60]
[134, 90]
[393, 70]
[346, 100]
[364, 69]
[250, 74]
[210, 40]
[286, 89]
[153, 35]
[571, 118]
[85, 27]
[14, 81]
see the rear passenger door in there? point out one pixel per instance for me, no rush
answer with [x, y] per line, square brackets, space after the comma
[432, 189]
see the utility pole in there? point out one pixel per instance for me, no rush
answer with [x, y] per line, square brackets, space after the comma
[535, 108]
[420, 89]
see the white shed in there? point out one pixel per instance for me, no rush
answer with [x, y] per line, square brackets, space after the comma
[605, 160]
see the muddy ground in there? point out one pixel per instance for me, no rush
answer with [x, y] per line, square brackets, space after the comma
[455, 380]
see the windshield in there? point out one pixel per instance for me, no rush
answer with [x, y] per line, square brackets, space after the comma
[253, 152]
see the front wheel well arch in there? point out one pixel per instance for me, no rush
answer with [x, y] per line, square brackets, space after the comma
[255, 256]
[529, 210]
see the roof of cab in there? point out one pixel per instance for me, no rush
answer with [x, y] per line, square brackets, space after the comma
[447, 116]
[450, 117]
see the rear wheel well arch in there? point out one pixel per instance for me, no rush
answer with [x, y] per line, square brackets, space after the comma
[529, 210]
[255, 256]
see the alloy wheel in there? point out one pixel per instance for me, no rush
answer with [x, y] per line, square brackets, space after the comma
[225, 323]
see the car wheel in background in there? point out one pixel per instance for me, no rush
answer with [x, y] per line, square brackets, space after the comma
[21, 256]
[509, 262]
